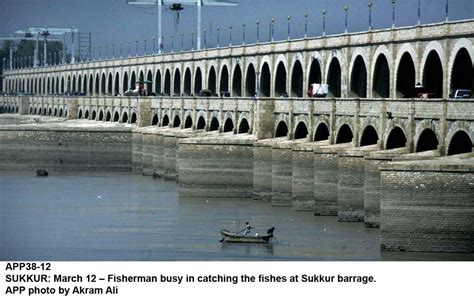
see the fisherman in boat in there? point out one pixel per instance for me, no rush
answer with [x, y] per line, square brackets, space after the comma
[247, 228]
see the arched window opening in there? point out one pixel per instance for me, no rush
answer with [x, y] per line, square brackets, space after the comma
[462, 76]
[322, 132]
[297, 80]
[228, 125]
[166, 121]
[334, 78]
[212, 81]
[154, 121]
[197, 81]
[237, 82]
[359, 78]
[406, 77]
[244, 126]
[201, 123]
[214, 124]
[187, 82]
[133, 120]
[177, 83]
[250, 78]
[301, 131]
[188, 123]
[433, 75]
[176, 121]
[280, 81]
[224, 83]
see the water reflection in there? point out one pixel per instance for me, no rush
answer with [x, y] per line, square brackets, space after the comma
[249, 249]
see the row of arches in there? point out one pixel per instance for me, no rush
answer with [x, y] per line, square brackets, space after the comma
[459, 143]
[365, 76]
[214, 125]
[108, 116]
[54, 112]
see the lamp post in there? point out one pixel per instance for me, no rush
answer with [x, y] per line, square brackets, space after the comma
[172, 43]
[192, 40]
[136, 47]
[129, 48]
[272, 26]
[100, 54]
[305, 25]
[93, 54]
[182, 42]
[218, 29]
[154, 44]
[258, 30]
[243, 33]
[113, 50]
[289, 27]
[145, 47]
[447, 11]
[324, 21]
[106, 52]
[121, 49]
[205, 39]
[346, 9]
[230, 35]
[370, 15]
[419, 12]
[393, 13]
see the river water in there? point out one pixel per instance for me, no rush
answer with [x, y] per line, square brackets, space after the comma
[123, 216]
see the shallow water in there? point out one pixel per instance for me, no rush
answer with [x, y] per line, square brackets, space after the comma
[122, 216]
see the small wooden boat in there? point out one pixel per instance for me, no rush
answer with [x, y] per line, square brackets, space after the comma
[238, 238]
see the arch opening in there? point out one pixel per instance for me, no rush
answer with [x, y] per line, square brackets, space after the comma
[79, 115]
[237, 82]
[102, 85]
[301, 131]
[265, 81]
[116, 117]
[201, 123]
[282, 130]
[297, 80]
[381, 79]
[124, 118]
[214, 124]
[280, 81]
[86, 114]
[427, 141]
[369, 136]
[154, 121]
[101, 116]
[244, 126]
[322, 132]
[177, 83]
[433, 75]
[166, 121]
[344, 135]
[197, 81]
[396, 139]
[460, 143]
[224, 83]
[406, 77]
[117, 84]
[133, 119]
[148, 84]
[250, 78]
[211, 82]
[167, 90]
[187, 82]
[176, 121]
[359, 78]
[228, 125]
[462, 76]
[108, 117]
[94, 115]
[188, 123]
[125, 83]
[334, 78]
[158, 82]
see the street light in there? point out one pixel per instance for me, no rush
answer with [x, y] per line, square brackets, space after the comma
[182, 42]
[136, 47]
[145, 47]
[192, 40]
[305, 25]
[419, 12]
[218, 29]
[393, 13]
[258, 30]
[447, 10]
[243, 33]
[346, 9]
[370, 15]
[230, 35]
[324, 21]
[205, 39]
[172, 43]
[272, 26]
[288, 33]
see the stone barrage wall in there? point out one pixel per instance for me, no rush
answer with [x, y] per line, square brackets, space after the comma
[70, 147]
[428, 206]
[216, 167]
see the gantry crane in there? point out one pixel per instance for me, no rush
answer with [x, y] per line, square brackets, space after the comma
[176, 5]
[45, 32]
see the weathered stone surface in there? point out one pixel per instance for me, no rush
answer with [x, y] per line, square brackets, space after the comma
[211, 167]
[428, 210]
[326, 179]
[72, 146]
[302, 190]
[262, 174]
[350, 196]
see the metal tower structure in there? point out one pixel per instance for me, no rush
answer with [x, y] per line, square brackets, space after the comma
[178, 3]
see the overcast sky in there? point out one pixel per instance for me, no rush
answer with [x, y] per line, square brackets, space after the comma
[113, 21]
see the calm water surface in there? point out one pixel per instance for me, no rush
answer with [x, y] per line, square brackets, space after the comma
[114, 216]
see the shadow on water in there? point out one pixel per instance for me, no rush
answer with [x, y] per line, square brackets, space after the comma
[121, 216]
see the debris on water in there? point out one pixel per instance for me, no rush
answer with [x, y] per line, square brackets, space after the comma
[41, 173]
[324, 229]
[99, 197]
[292, 220]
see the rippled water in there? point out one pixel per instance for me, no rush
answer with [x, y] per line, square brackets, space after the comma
[112, 216]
